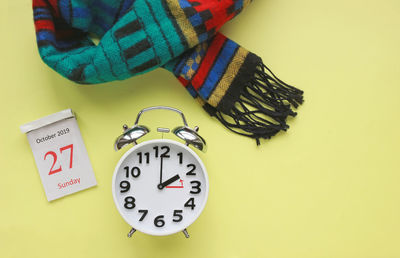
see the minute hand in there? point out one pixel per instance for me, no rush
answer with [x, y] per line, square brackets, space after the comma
[169, 181]
[161, 168]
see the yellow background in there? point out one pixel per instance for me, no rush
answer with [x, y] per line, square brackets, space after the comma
[329, 187]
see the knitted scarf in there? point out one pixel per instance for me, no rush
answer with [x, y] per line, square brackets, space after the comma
[182, 36]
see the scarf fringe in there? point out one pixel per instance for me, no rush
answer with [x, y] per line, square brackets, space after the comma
[263, 107]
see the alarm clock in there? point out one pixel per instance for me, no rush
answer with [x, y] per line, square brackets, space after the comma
[160, 186]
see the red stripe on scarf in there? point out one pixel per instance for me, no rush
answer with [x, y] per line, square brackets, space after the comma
[208, 60]
[39, 3]
[44, 25]
[183, 81]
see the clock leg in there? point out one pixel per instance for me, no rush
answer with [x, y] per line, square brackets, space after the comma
[186, 233]
[131, 232]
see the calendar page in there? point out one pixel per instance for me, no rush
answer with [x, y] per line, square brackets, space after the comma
[60, 154]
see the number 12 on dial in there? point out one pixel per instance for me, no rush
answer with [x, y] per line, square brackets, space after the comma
[160, 187]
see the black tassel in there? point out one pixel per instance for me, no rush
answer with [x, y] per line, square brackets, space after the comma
[263, 107]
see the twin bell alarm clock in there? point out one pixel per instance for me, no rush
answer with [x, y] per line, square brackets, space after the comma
[160, 186]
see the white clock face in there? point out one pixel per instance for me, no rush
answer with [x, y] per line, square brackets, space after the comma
[160, 187]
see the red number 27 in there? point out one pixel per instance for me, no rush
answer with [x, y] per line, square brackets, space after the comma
[54, 155]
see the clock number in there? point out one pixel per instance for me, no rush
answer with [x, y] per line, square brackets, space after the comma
[125, 185]
[159, 222]
[129, 203]
[135, 172]
[144, 214]
[190, 203]
[197, 187]
[155, 151]
[180, 154]
[147, 154]
[178, 214]
[165, 154]
[192, 168]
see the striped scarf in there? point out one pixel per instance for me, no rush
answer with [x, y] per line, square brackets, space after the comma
[182, 36]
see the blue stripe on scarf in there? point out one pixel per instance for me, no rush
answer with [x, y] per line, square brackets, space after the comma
[40, 10]
[43, 16]
[80, 12]
[238, 5]
[196, 20]
[218, 69]
[65, 10]
[184, 3]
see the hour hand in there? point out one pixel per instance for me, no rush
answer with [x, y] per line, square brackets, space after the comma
[168, 182]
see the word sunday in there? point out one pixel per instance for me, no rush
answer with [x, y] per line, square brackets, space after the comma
[73, 181]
